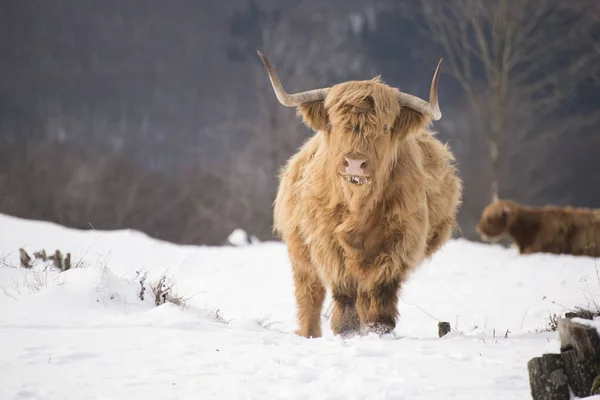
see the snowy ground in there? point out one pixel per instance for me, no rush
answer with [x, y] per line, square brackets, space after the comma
[85, 334]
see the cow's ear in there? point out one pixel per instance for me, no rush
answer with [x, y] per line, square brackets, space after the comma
[314, 115]
[408, 122]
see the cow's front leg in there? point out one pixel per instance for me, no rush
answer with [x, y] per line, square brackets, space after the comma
[344, 320]
[310, 294]
[308, 289]
[377, 306]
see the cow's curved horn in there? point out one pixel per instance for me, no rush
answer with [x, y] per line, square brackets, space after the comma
[290, 100]
[432, 108]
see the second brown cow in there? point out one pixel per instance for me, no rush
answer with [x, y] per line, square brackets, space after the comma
[547, 229]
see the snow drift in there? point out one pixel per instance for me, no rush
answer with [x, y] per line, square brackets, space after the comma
[85, 333]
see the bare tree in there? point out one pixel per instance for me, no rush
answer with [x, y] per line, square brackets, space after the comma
[518, 64]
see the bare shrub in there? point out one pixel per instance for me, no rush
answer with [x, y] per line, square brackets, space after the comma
[218, 315]
[552, 325]
[142, 280]
[162, 289]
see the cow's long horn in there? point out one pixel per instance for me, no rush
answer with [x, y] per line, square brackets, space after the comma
[290, 100]
[433, 107]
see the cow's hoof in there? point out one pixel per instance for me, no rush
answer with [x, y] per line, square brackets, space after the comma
[348, 334]
[379, 328]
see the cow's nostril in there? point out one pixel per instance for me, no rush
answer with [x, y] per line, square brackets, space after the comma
[363, 165]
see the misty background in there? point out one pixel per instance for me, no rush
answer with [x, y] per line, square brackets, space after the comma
[159, 116]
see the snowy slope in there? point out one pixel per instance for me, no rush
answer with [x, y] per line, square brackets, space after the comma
[85, 334]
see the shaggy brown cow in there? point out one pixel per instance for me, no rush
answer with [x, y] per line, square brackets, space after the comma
[548, 229]
[365, 200]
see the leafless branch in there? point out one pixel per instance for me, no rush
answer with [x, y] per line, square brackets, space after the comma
[518, 63]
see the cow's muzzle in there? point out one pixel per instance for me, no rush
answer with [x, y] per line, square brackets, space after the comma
[356, 170]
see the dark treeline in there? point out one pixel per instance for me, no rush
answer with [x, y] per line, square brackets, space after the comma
[158, 116]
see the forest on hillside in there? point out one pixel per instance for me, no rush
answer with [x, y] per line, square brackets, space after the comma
[159, 116]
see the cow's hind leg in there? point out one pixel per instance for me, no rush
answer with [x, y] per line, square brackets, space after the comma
[309, 291]
[378, 307]
[344, 319]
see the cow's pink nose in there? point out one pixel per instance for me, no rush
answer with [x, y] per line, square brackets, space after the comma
[355, 167]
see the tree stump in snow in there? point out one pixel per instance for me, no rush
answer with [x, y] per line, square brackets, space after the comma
[67, 263]
[581, 313]
[577, 365]
[580, 373]
[580, 348]
[547, 378]
[443, 328]
[24, 258]
[40, 255]
[57, 260]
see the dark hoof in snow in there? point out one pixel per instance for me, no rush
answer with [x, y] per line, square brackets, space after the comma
[379, 329]
[348, 334]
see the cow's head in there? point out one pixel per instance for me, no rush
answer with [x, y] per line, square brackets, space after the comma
[364, 123]
[495, 220]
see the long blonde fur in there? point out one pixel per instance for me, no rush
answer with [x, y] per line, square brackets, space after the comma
[362, 242]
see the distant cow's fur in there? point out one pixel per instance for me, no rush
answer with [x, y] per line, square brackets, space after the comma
[362, 241]
[548, 229]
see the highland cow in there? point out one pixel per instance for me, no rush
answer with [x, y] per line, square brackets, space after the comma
[366, 199]
[548, 229]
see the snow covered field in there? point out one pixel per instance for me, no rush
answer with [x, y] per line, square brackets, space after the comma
[85, 334]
